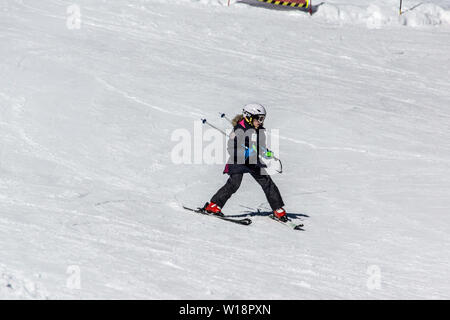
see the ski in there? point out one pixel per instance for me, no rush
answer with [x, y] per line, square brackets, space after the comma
[245, 221]
[288, 223]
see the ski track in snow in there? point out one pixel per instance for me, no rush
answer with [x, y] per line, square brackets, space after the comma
[359, 94]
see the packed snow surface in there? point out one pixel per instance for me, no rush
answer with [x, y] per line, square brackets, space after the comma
[92, 92]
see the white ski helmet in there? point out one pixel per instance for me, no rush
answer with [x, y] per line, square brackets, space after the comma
[253, 109]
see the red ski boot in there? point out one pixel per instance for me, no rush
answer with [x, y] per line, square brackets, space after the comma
[280, 214]
[213, 208]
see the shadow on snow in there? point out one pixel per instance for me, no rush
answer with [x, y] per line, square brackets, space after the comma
[264, 213]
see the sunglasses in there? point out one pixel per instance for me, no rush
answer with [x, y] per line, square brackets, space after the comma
[260, 118]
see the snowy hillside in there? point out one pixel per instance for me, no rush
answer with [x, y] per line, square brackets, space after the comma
[91, 93]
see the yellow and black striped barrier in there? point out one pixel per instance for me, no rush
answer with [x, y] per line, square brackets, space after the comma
[300, 4]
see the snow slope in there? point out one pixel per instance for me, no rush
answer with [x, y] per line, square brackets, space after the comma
[89, 196]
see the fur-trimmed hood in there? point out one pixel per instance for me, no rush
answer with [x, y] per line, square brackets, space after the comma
[237, 119]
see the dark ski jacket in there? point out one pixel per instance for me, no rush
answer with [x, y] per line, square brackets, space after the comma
[244, 147]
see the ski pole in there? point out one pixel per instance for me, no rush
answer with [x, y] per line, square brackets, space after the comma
[212, 126]
[223, 115]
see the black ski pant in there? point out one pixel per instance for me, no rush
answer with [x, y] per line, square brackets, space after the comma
[234, 181]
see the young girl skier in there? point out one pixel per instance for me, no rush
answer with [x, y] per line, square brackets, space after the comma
[244, 147]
